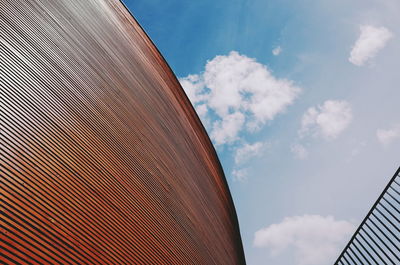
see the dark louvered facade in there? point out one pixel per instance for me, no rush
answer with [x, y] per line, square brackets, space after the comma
[102, 157]
[377, 239]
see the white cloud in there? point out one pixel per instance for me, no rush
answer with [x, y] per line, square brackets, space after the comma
[371, 41]
[316, 239]
[202, 110]
[240, 83]
[247, 151]
[387, 136]
[328, 120]
[236, 84]
[299, 151]
[240, 175]
[227, 130]
[194, 88]
[276, 51]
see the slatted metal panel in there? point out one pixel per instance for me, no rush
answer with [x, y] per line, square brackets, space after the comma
[377, 240]
[102, 157]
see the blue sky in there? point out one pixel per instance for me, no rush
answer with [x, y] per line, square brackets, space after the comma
[308, 136]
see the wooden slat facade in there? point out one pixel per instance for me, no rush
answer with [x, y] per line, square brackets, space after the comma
[102, 157]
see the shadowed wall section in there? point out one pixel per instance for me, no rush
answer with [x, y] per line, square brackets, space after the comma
[102, 157]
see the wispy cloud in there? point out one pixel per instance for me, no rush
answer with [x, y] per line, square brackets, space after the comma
[370, 42]
[247, 151]
[240, 93]
[327, 120]
[242, 155]
[316, 239]
[299, 151]
[388, 136]
[276, 51]
[240, 175]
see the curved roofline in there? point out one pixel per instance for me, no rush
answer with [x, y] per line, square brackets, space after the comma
[200, 124]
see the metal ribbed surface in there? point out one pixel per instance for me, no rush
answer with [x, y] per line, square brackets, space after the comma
[377, 240]
[102, 158]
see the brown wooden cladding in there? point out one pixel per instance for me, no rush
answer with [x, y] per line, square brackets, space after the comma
[102, 157]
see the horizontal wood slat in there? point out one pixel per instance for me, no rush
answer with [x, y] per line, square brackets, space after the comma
[102, 158]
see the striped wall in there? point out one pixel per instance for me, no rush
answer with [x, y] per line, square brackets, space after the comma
[377, 239]
[102, 157]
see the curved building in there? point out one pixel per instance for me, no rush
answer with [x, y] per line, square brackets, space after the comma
[102, 157]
